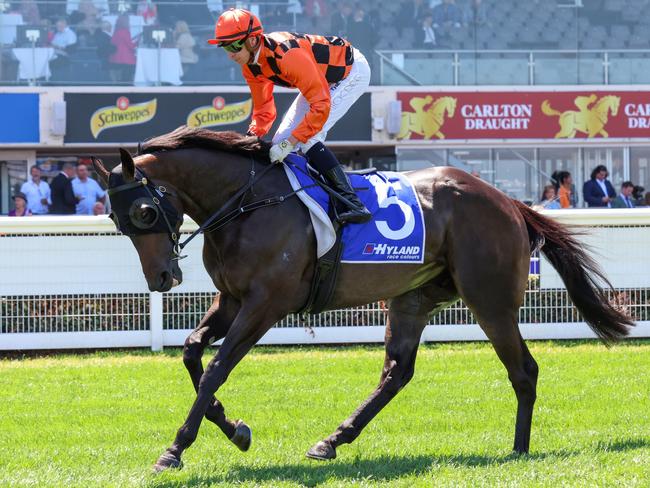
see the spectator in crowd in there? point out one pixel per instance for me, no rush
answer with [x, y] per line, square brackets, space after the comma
[20, 204]
[475, 14]
[185, 44]
[563, 182]
[646, 200]
[104, 45]
[87, 191]
[548, 200]
[89, 20]
[148, 11]
[624, 198]
[64, 38]
[37, 192]
[341, 20]
[62, 196]
[361, 33]
[410, 14]
[316, 10]
[637, 196]
[122, 61]
[29, 10]
[99, 209]
[63, 41]
[598, 191]
[425, 37]
[447, 15]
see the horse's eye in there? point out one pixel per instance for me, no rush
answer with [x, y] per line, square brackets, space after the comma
[147, 215]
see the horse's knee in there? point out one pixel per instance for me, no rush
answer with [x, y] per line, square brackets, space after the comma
[525, 386]
[398, 379]
[192, 352]
[531, 367]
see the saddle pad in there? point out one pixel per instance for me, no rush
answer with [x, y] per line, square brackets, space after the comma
[395, 234]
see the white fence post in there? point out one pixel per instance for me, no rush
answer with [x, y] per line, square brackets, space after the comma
[156, 320]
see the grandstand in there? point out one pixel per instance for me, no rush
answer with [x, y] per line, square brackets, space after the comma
[512, 43]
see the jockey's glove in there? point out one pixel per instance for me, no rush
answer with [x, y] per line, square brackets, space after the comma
[280, 151]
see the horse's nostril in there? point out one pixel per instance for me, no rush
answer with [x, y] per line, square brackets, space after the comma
[165, 277]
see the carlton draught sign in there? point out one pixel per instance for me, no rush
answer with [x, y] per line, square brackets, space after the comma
[521, 115]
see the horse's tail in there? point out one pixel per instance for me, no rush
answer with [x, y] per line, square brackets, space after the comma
[580, 273]
[548, 110]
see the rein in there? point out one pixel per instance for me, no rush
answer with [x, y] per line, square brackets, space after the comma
[212, 224]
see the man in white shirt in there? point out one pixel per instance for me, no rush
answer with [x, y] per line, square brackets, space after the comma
[37, 193]
[63, 38]
[87, 191]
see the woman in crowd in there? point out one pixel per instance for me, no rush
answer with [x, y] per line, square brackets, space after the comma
[563, 183]
[548, 200]
[20, 202]
[185, 44]
[122, 61]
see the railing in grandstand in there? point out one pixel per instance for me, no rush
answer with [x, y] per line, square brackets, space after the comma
[514, 67]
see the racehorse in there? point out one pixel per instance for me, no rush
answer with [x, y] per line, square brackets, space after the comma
[478, 246]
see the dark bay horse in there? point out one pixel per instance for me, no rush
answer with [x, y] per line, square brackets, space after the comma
[478, 245]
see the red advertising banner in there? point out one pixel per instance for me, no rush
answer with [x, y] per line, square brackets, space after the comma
[524, 115]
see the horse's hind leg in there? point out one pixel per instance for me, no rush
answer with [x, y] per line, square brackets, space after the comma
[522, 373]
[407, 316]
[494, 296]
[213, 326]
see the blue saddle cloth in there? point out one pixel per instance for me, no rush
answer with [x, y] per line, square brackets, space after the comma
[395, 234]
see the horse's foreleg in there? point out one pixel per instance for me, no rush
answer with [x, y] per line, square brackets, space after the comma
[252, 321]
[214, 326]
[407, 317]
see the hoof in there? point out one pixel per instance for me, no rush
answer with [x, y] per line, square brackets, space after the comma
[322, 451]
[166, 461]
[243, 436]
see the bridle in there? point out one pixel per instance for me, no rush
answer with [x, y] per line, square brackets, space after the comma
[141, 213]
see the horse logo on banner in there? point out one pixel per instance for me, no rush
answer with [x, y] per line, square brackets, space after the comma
[426, 122]
[590, 119]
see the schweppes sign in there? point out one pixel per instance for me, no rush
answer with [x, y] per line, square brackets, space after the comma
[220, 113]
[122, 114]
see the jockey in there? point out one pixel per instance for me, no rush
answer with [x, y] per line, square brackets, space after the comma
[330, 74]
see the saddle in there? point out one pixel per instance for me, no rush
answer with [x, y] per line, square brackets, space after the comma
[326, 273]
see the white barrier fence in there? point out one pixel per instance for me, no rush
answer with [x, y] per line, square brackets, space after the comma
[73, 282]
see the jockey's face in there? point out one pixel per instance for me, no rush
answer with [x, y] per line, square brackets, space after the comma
[247, 54]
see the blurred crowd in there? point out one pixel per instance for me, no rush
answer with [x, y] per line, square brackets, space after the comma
[71, 192]
[597, 192]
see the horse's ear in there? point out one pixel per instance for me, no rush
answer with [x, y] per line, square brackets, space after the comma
[100, 169]
[128, 166]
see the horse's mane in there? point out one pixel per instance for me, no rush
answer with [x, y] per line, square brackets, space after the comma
[189, 137]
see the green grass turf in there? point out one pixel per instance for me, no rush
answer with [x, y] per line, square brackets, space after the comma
[102, 419]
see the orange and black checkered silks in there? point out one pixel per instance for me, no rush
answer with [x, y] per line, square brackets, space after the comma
[307, 62]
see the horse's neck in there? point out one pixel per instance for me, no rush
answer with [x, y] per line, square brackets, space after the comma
[204, 180]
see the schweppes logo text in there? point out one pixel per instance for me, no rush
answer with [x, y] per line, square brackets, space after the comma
[219, 113]
[122, 114]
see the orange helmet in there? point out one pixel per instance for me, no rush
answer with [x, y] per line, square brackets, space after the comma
[236, 24]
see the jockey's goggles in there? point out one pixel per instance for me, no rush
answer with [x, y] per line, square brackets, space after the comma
[238, 45]
[235, 46]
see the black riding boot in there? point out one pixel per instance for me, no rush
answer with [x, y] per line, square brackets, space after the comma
[357, 212]
[326, 163]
